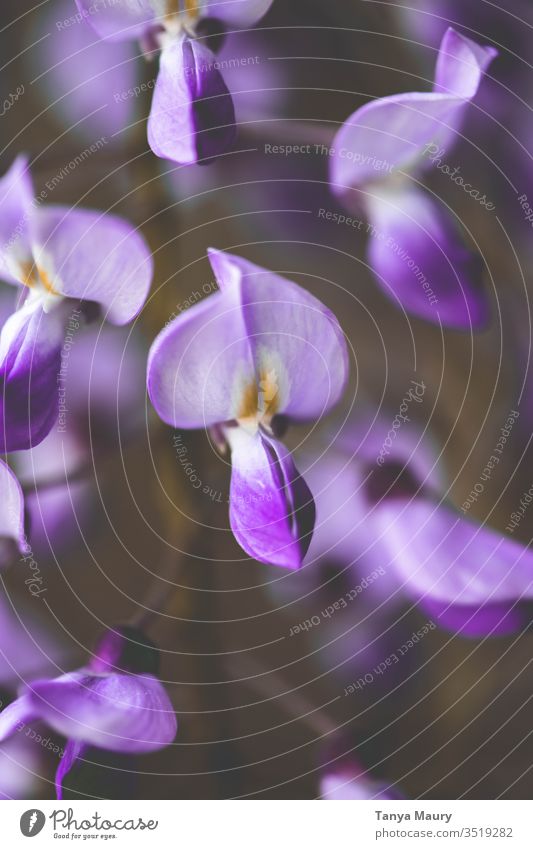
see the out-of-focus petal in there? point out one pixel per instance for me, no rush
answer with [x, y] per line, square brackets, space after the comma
[16, 715]
[94, 256]
[73, 750]
[292, 336]
[495, 620]
[272, 512]
[347, 782]
[447, 558]
[421, 262]
[118, 21]
[392, 133]
[11, 511]
[87, 82]
[192, 116]
[30, 355]
[121, 713]
[16, 203]
[239, 13]
[461, 64]
[20, 768]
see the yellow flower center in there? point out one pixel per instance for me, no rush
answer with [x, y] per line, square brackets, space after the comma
[260, 400]
[33, 276]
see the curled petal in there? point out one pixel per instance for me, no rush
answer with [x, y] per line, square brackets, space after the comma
[16, 203]
[30, 356]
[119, 21]
[272, 512]
[240, 13]
[93, 256]
[192, 116]
[420, 260]
[393, 133]
[446, 558]
[121, 713]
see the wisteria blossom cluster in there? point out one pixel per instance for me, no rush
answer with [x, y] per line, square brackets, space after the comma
[258, 362]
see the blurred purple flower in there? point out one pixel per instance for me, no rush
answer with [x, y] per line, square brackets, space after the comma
[192, 117]
[258, 351]
[348, 780]
[106, 399]
[468, 577]
[57, 255]
[12, 535]
[415, 250]
[115, 703]
[88, 83]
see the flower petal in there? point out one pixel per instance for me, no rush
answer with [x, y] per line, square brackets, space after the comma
[12, 510]
[18, 713]
[420, 260]
[93, 256]
[440, 555]
[272, 512]
[73, 750]
[200, 364]
[392, 133]
[87, 83]
[118, 21]
[260, 326]
[122, 713]
[495, 620]
[292, 335]
[16, 203]
[192, 116]
[240, 13]
[30, 356]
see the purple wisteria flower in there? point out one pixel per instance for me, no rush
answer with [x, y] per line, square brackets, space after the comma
[414, 245]
[394, 516]
[116, 702]
[57, 255]
[257, 353]
[192, 116]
